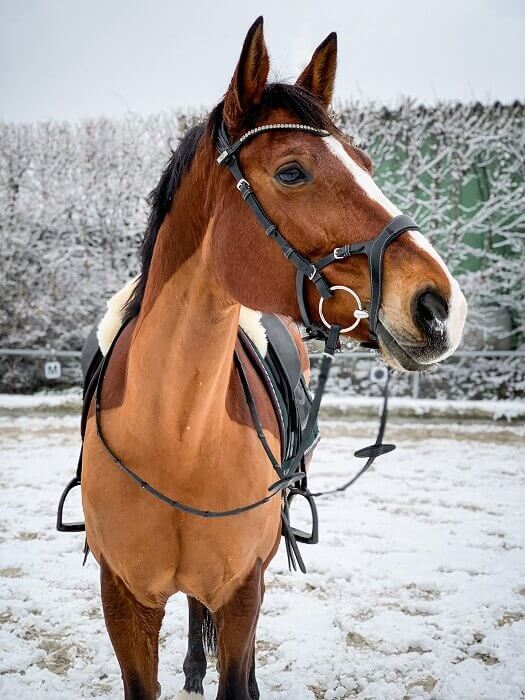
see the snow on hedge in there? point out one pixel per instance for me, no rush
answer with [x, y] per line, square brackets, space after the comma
[73, 209]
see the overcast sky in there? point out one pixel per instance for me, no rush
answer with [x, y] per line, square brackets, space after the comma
[68, 59]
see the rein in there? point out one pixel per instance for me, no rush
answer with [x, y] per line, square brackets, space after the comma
[305, 270]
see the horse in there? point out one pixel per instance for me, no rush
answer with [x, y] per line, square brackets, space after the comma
[172, 403]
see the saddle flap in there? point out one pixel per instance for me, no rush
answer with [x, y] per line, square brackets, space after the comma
[284, 346]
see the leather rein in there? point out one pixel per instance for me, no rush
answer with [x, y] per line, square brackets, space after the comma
[306, 269]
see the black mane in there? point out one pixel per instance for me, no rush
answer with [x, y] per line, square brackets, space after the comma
[159, 201]
[302, 104]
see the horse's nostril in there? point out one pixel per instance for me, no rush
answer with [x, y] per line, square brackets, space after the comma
[431, 312]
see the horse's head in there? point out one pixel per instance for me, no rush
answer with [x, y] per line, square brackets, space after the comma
[321, 194]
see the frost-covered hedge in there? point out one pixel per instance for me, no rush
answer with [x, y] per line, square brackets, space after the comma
[72, 210]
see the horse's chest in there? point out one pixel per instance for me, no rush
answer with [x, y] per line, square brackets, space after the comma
[158, 550]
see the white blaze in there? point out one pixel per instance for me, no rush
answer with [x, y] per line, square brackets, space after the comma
[457, 305]
[361, 176]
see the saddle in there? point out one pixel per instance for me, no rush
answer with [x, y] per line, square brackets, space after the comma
[279, 371]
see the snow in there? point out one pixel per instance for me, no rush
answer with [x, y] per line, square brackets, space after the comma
[43, 400]
[434, 408]
[334, 406]
[416, 590]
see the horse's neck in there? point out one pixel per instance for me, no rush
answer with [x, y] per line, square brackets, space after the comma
[180, 360]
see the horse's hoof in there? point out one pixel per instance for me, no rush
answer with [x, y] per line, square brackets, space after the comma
[184, 695]
[159, 689]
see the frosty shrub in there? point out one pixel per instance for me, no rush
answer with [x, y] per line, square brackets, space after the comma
[73, 210]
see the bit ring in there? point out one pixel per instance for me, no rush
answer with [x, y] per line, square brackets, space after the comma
[359, 313]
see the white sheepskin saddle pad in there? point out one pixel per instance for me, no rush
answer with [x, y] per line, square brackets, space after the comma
[249, 321]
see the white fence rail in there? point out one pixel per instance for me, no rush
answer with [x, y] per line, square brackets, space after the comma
[52, 356]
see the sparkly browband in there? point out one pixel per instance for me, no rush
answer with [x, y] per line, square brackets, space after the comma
[230, 150]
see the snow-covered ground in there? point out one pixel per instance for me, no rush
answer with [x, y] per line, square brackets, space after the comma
[416, 590]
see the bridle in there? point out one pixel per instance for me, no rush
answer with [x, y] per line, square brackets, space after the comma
[307, 269]
[287, 484]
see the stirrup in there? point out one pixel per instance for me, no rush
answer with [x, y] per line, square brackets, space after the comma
[61, 525]
[311, 537]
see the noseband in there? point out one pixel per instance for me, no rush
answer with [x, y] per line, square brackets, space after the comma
[307, 269]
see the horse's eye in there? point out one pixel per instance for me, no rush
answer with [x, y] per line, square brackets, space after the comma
[291, 175]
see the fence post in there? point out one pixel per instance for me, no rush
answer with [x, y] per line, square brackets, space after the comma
[415, 385]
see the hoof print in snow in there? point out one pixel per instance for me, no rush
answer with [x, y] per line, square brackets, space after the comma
[11, 572]
[353, 639]
[426, 684]
[487, 659]
[509, 618]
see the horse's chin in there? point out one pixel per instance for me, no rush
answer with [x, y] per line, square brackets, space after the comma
[394, 353]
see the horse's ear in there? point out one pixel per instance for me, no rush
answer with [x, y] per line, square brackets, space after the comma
[248, 82]
[319, 75]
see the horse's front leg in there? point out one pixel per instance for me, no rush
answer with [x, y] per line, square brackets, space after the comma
[253, 688]
[134, 632]
[236, 624]
[195, 662]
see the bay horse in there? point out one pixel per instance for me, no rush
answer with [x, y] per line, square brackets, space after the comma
[172, 404]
